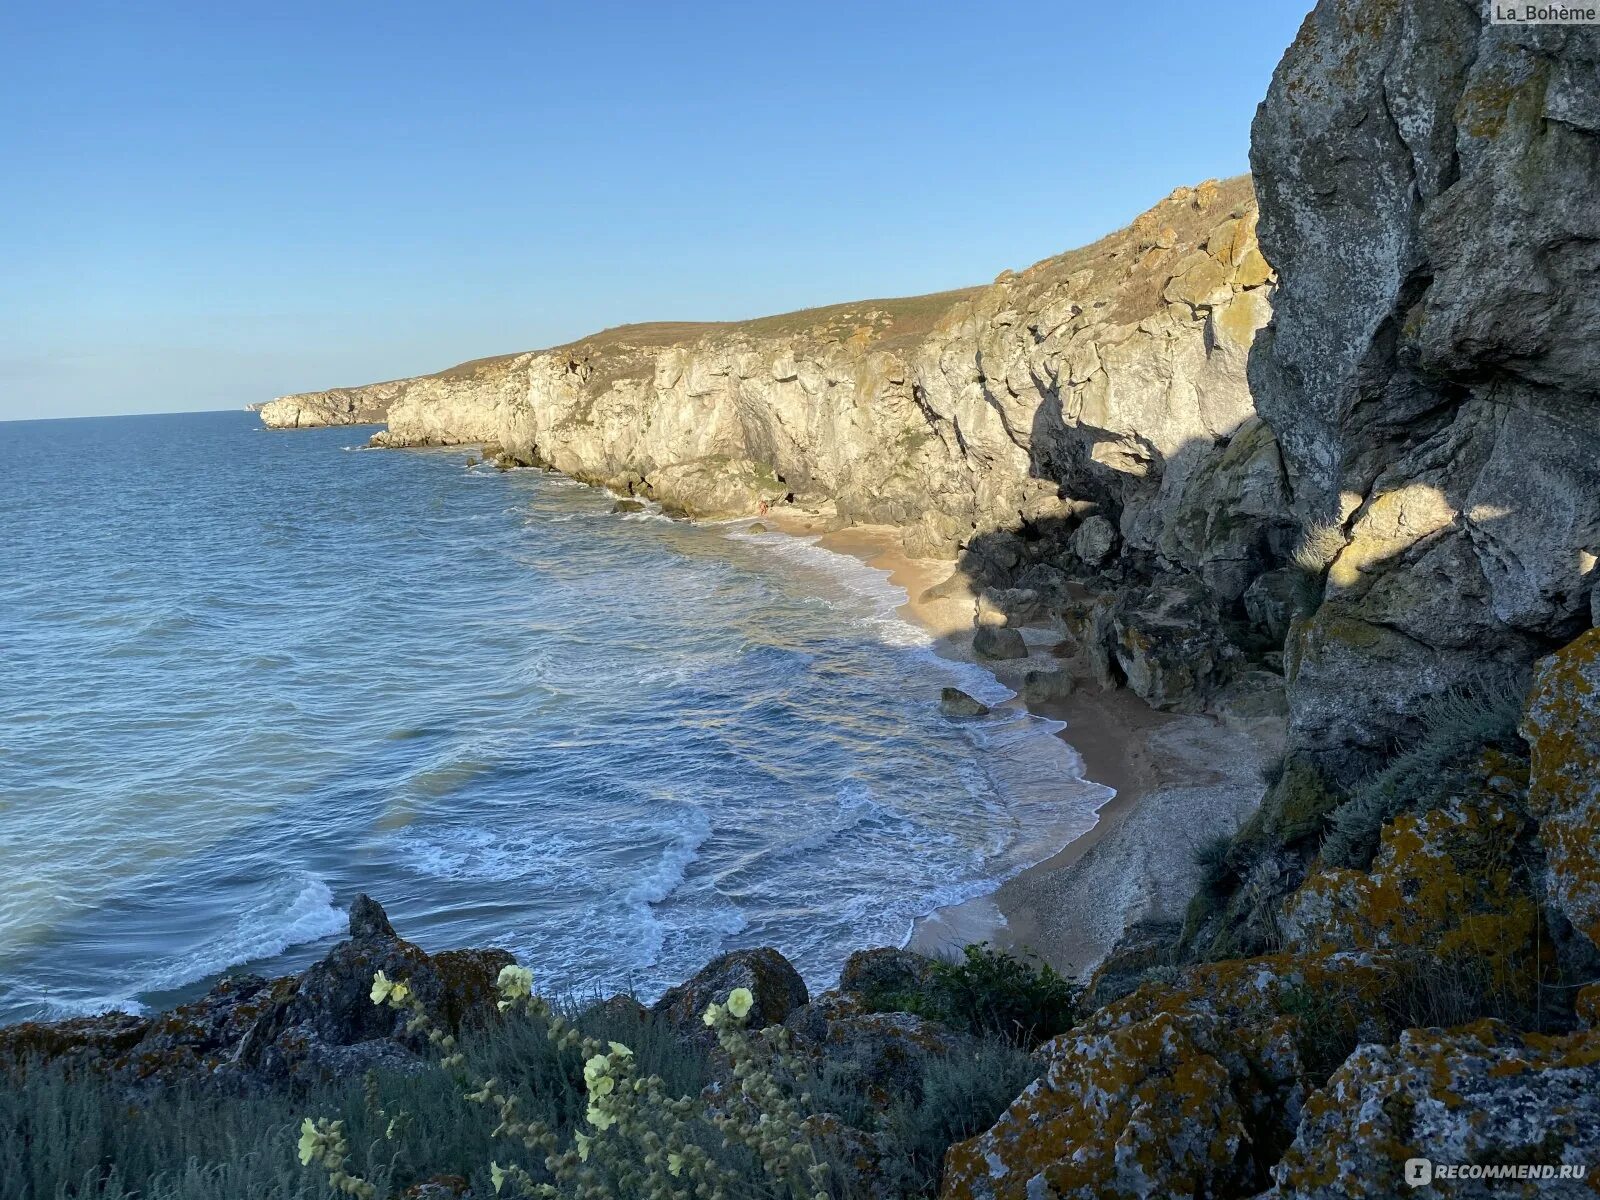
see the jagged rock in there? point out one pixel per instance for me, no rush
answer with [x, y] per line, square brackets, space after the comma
[998, 642]
[1046, 687]
[1474, 1096]
[1094, 540]
[1146, 950]
[1167, 644]
[1445, 882]
[1436, 407]
[774, 983]
[884, 971]
[251, 1030]
[75, 1041]
[1175, 1090]
[1562, 728]
[1008, 606]
[1048, 582]
[953, 702]
[627, 506]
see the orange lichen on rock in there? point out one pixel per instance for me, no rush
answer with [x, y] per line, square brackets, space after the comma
[1443, 881]
[1180, 1089]
[1478, 1094]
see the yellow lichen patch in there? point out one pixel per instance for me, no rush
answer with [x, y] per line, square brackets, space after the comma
[1135, 1111]
[1443, 885]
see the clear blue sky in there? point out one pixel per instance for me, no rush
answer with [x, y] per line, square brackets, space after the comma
[212, 204]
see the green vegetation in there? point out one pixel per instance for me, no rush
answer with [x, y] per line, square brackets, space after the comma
[992, 993]
[1455, 730]
[609, 1102]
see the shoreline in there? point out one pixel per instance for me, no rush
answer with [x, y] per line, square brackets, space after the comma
[1177, 779]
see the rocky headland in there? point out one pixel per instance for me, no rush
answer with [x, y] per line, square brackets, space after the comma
[1330, 461]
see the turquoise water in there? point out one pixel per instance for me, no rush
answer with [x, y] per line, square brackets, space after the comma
[245, 675]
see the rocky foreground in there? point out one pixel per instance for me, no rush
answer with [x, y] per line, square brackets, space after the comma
[1366, 475]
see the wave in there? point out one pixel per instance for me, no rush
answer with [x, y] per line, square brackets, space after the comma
[280, 924]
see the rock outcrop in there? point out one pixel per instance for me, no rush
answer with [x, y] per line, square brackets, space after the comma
[1427, 185]
[248, 1031]
[367, 405]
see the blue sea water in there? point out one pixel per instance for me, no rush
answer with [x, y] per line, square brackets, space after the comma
[245, 675]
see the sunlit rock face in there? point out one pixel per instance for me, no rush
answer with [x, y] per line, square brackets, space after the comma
[1427, 187]
[1113, 375]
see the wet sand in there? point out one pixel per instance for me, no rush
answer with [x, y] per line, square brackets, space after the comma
[1178, 780]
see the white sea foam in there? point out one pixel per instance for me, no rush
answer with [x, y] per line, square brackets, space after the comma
[309, 915]
[1045, 803]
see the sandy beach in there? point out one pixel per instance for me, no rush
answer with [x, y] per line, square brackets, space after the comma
[1178, 780]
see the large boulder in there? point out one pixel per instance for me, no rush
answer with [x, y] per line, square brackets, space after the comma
[773, 982]
[1482, 1098]
[998, 642]
[1563, 732]
[1431, 371]
[1169, 643]
[1094, 540]
[953, 702]
[885, 1054]
[884, 971]
[1182, 1089]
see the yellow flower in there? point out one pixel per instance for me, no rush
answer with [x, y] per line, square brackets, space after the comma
[582, 1140]
[595, 1068]
[514, 982]
[739, 1002]
[620, 1050]
[382, 987]
[391, 990]
[310, 1142]
[713, 1014]
[600, 1118]
[497, 1176]
[674, 1165]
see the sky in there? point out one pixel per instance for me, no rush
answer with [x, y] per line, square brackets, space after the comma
[204, 206]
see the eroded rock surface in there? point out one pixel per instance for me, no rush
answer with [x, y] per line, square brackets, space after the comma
[1427, 196]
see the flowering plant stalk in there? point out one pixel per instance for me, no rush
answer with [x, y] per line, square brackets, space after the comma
[637, 1139]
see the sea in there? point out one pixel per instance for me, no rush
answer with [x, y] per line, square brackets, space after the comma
[246, 675]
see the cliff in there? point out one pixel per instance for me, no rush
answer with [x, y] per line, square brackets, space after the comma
[1428, 196]
[1108, 369]
[1395, 957]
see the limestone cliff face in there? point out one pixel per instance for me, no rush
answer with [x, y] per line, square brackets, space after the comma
[1427, 186]
[367, 405]
[1109, 377]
